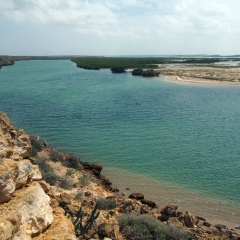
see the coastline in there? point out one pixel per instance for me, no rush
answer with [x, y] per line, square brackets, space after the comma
[177, 79]
[215, 211]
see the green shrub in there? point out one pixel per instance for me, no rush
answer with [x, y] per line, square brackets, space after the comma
[70, 172]
[37, 145]
[137, 71]
[176, 233]
[47, 172]
[118, 70]
[55, 155]
[106, 204]
[84, 180]
[143, 227]
[79, 196]
[73, 162]
[66, 182]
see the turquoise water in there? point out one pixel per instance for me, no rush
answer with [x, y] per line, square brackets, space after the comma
[185, 135]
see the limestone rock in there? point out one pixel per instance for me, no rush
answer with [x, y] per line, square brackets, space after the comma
[25, 172]
[8, 176]
[13, 143]
[32, 204]
[36, 174]
[13, 175]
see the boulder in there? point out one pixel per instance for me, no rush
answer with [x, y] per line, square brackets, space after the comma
[207, 224]
[170, 210]
[137, 196]
[189, 220]
[220, 226]
[105, 181]
[200, 218]
[97, 167]
[149, 203]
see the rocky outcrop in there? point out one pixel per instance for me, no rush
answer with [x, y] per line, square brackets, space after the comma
[14, 144]
[31, 210]
[25, 209]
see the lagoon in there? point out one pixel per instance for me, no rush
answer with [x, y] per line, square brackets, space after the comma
[175, 142]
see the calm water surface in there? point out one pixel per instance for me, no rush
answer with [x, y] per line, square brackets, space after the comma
[183, 139]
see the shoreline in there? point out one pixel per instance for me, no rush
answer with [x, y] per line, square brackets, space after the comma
[162, 194]
[177, 79]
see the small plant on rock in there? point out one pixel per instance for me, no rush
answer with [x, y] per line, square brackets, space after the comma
[70, 172]
[37, 145]
[73, 162]
[143, 227]
[79, 196]
[106, 204]
[84, 180]
[55, 155]
[66, 182]
[47, 172]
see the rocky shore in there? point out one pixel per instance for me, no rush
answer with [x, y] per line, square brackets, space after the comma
[45, 194]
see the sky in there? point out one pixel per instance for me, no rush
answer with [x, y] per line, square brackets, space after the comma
[119, 27]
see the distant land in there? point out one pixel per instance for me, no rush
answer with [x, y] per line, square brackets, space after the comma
[6, 60]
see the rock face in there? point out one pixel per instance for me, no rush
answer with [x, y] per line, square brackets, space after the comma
[31, 206]
[25, 208]
[14, 144]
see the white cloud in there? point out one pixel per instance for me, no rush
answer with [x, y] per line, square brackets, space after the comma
[136, 20]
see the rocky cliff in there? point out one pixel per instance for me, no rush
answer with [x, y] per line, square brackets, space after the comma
[25, 208]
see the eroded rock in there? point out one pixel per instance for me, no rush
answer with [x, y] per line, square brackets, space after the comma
[138, 196]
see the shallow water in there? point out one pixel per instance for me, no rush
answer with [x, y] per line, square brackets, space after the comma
[182, 139]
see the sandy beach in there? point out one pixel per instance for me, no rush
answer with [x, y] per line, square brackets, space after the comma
[203, 74]
[178, 79]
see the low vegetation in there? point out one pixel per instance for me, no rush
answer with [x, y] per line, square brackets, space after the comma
[118, 70]
[47, 172]
[70, 172]
[55, 155]
[84, 180]
[106, 204]
[145, 227]
[146, 73]
[66, 182]
[96, 63]
[37, 145]
[79, 196]
[72, 162]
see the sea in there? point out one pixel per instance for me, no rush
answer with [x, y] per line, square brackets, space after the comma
[174, 142]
